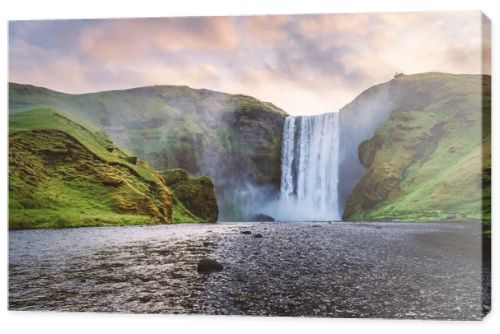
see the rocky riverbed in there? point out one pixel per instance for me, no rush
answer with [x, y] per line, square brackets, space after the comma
[388, 270]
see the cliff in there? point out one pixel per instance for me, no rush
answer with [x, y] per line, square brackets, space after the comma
[64, 174]
[234, 139]
[423, 149]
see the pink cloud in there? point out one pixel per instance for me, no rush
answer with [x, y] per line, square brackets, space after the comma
[264, 29]
[131, 39]
[304, 63]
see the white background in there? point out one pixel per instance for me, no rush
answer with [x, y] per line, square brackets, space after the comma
[46, 322]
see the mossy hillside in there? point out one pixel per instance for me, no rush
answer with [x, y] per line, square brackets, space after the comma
[234, 139]
[54, 181]
[62, 174]
[426, 163]
[195, 193]
[92, 138]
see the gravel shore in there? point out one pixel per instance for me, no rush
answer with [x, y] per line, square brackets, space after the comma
[384, 270]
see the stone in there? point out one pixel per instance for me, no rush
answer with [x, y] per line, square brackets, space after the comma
[263, 218]
[207, 265]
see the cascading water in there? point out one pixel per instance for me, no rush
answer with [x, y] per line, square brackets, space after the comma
[309, 169]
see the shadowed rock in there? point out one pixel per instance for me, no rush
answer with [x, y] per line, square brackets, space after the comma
[263, 218]
[206, 265]
[196, 193]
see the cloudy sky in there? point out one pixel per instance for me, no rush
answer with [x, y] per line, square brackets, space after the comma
[305, 64]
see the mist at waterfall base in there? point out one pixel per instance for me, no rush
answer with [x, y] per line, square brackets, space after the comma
[320, 165]
[309, 170]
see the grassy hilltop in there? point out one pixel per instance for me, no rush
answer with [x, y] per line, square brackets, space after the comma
[429, 160]
[234, 139]
[65, 174]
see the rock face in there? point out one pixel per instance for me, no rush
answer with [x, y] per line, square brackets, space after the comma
[195, 193]
[429, 155]
[62, 175]
[233, 139]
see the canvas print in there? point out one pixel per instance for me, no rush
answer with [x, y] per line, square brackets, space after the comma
[327, 165]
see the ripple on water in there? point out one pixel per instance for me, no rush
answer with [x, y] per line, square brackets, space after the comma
[295, 269]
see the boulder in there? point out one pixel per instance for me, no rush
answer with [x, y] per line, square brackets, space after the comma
[207, 265]
[262, 218]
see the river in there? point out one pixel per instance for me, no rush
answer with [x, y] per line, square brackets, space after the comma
[387, 270]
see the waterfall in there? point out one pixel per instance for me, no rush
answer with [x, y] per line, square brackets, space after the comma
[309, 169]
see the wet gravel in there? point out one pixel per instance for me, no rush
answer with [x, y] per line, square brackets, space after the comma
[387, 270]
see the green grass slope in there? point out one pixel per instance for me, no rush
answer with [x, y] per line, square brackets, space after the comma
[234, 139]
[430, 162]
[64, 174]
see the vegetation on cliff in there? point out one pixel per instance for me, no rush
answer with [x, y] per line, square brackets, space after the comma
[64, 174]
[234, 139]
[195, 193]
[431, 159]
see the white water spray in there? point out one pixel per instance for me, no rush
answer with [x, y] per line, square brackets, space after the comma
[309, 169]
